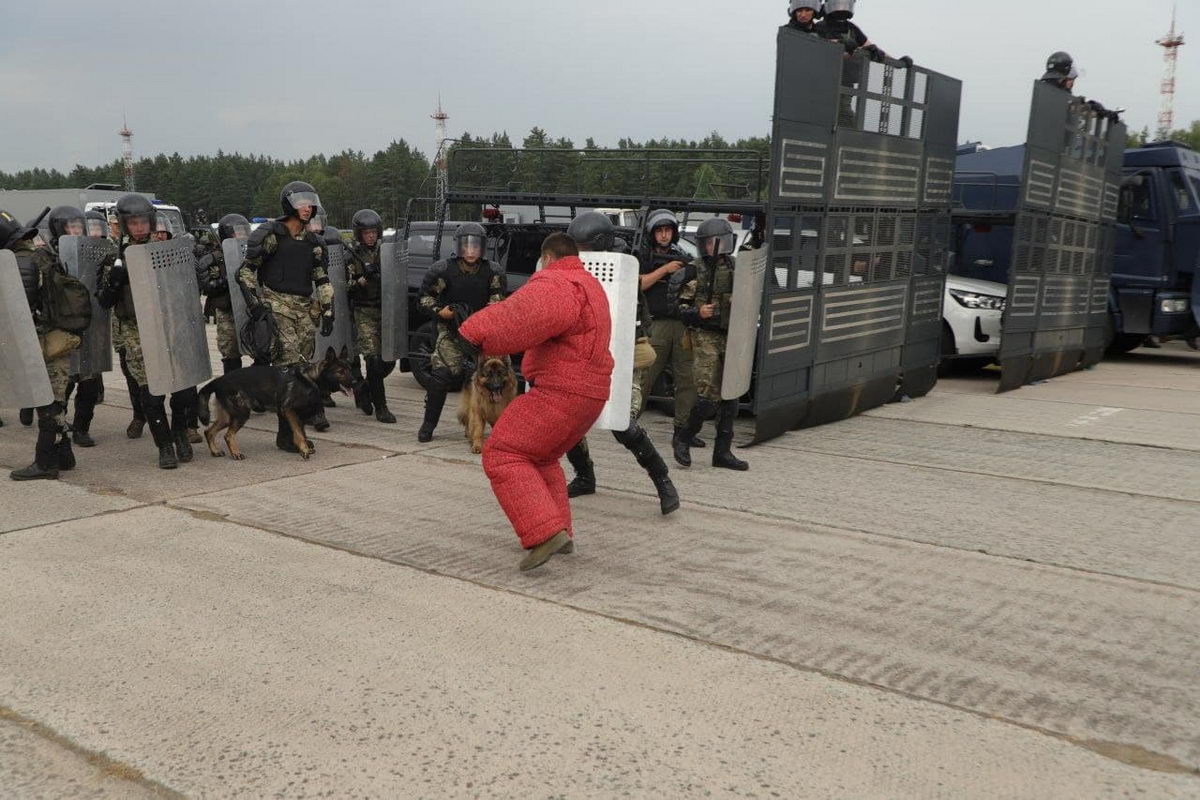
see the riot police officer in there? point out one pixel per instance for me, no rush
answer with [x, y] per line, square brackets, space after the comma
[705, 305]
[365, 284]
[594, 232]
[52, 452]
[453, 290]
[138, 220]
[665, 267]
[218, 303]
[96, 225]
[836, 26]
[285, 262]
[803, 15]
[1061, 71]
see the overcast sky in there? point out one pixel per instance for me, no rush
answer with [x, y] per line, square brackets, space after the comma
[353, 74]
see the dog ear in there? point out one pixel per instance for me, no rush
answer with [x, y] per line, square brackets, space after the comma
[345, 354]
[330, 354]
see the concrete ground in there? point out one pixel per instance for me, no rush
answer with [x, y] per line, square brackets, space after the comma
[969, 595]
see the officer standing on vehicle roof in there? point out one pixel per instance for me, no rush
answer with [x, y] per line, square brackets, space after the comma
[286, 263]
[803, 15]
[664, 268]
[365, 283]
[215, 283]
[835, 26]
[453, 290]
[53, 449]
[1060, 71]
[705, 304]
[138, 221]
[594, 232]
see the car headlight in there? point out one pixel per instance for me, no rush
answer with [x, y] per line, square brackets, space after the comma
[979, 302]
[1177, 305]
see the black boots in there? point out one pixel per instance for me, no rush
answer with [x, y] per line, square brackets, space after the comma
[435, 399]
[228, 365]
[45, 458]
[66, 456]
[681, 442]
[584, 481]
[362, 392]
[86, 398]
[156, 418]
[722, 454]
[637, 442]
[26, 417]
[183, 405]
[377, 370]
[696, 440]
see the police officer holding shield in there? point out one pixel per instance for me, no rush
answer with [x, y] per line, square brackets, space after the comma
[215, 284]
[453, 290]
[365, 282]
[285, 262]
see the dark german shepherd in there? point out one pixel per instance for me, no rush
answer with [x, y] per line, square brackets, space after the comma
[484, 398]
[295, 393]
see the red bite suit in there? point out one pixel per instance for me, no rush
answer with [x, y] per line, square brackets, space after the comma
[560, 320]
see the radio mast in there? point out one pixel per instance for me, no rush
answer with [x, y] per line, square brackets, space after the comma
[1170, 44]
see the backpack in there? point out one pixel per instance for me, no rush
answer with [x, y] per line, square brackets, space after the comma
[68, 303]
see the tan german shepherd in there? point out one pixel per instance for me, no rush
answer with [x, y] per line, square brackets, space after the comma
[484, 398]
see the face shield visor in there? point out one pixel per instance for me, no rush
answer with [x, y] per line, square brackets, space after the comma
[137, 226]
[241, 231]
[97, 228]
[303, 200]
[470, 247]
[721, 245]
[839, 9]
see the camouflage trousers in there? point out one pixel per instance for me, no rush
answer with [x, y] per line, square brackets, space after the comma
[708, 363]
[368, 333]
[447, 352]
[59, 371]
[296, 327]
[127, 340]
[227, 336]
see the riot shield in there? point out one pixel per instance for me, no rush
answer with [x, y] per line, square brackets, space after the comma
[83, 256]
[166, 298]
[393, 267]
[234, 251]
[618, 274]
[749, 275]
[24, 382]
[343, 320]
[1056, 317]
[858, 231]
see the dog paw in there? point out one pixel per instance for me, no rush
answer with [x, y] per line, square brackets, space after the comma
[476, 449]
[216, 454]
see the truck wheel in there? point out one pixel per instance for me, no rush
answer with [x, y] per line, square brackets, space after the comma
[949, 349]
[1121, 343]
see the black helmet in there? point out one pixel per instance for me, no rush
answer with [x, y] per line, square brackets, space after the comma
[365, 220]
[716, 228]
[12, 231]
[297, 194]
[233, 226]
[662, 218]
[332, 235]
[592, 231]
[1060, 67]
[60, 217]
[132, 206]
[96, 225]
[839, 9]
[469, 233]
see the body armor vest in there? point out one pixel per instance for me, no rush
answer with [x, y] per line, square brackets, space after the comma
[289, 270]
[714, 284]
[29, 278]
[370, 295]
[473, 289]
[124, 307]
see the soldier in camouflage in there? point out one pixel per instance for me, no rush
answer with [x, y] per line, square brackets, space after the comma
[284, 273]
[705, 303]
[52, 452]
[365, 288]
[138, 221]
[453, 290]
[215, 283]
[89, 388]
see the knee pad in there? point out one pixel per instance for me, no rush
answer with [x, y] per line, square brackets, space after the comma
[630, 436]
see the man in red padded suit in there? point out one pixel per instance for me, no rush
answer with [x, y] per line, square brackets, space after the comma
[560, 320]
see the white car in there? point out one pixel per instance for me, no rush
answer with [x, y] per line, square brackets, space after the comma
[971, 316]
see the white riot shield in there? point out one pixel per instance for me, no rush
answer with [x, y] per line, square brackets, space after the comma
[343, 320]
[749, 275]
[83, 256]
[166, 298]
[234, 251]
[618, 274]
[24, 382]
[393, 268]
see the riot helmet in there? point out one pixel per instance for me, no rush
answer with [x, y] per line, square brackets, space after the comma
[721, 232]
[135, 212]
[233, 226]
[162, 228]
[469, 240]
[367, 220]
[96, 225]
[317, 223]
[796, 5]
[1060, 67]
[12, 231]
[662, 218]
[297, 195]
[333, 235]
[65, 221]
[592, 231]
[839, 9]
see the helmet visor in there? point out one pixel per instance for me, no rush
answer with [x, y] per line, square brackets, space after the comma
[718, 245]
[97, 229]
[299, 200]
[470, 246]
[240, 231]
[843, 8]
[73, 227]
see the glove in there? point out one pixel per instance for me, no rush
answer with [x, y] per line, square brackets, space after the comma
[118, 275]
[461, 312]
[253, 302]
[327, 323]
[216, 286]
[371, 270]
[874, 53]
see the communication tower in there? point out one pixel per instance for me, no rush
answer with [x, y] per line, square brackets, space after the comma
[127, 153]
[1170, 44]
[443, 174]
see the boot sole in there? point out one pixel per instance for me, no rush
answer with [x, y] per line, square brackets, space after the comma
[53, 477]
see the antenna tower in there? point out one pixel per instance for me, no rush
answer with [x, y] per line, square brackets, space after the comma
[443, 174]
[127, 153]
[1170, 44]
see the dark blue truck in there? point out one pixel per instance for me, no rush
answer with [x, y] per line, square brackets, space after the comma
[1154, 287]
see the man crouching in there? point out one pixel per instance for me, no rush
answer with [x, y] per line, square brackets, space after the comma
[560, 320]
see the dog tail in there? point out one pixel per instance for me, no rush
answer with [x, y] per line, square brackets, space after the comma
[202, 410]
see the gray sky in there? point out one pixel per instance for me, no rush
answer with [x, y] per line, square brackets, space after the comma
[356, 74]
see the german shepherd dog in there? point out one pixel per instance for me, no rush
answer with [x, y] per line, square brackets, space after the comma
[295, 393]
[485, 396]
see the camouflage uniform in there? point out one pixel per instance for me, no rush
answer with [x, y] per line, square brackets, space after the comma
[217, 304]
[711, 285]
[447, 350]
[44, 261]
[296, 316]
[366, 299]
